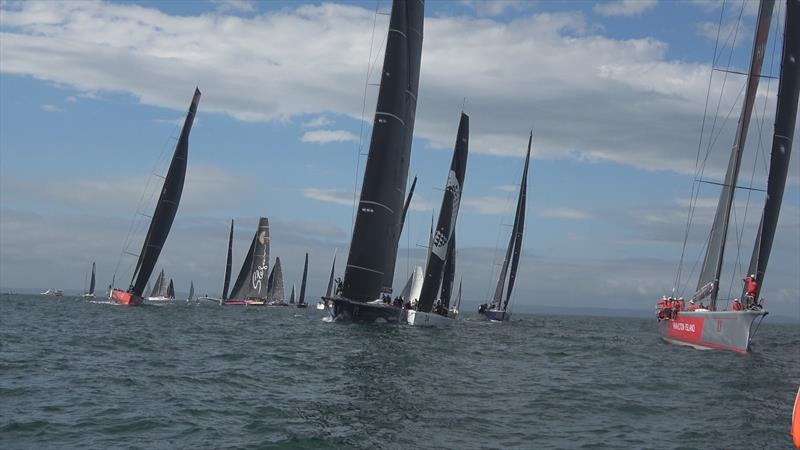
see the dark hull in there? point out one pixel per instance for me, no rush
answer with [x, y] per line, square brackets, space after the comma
[497, 315]
[347, 310]
[302, 305]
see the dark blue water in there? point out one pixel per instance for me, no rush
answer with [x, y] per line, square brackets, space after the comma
[75, 374]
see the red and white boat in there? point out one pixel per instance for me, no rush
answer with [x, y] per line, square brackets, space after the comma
[713, 327]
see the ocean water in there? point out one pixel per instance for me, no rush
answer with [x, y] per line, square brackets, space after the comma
[75, 374]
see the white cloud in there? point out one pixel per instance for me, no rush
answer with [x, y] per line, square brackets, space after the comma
[51, 108]
[494, 8]
[507, 188]
[235, 5]
[488, 205]
[326, 136]
[727, 33]
[563, 213]
[319, 121]
[624, 7]
[591, 97]
[336, 196]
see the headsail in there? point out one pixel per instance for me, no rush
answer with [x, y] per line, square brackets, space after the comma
[167, 206]
[785, 120]
[160, 288]
[449, 275]
[712, 265]
[373, 249]
[191, 291]
[448, 214]
[278, 294]
[457, 306]
[329, 290]
[302, 299]
[92, 280]
[228, 265]
[250, 282]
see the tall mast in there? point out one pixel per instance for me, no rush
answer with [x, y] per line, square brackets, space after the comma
[712, 265]
[167, 205]
[785, 120]
[228, 265]
[373, 248]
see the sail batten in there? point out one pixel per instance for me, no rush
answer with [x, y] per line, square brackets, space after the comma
[167, 206]
[373, 248]
[785, 122]
[448, 215]
[712, 264]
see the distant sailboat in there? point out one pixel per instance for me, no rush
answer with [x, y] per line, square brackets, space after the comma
[191, 292]
[171, 290]
[428, 311]
[160, 291]
[277, 294]
[301, 302]
[90, 292]
[228, 266]
[249, 288]
[162, 218]
[323, 303]
[373, 248]
[291, 296]
[498, 311]
[53, 293]
[712, 327]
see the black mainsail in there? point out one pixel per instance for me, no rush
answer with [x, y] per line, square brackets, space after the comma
[191, 291]
[449, 275]
[785, 120]
[250, 282]
[708, 283]
[515, 242]
[277, 293]
[302, 299]
[446, 223]
[373, 249]
[171, 289]
[228, 265]
[92, 281]
[167, 206]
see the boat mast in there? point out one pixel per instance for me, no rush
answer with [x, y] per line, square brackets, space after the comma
[228, 265]
[785, 120]
[708, 284]
[373, 248]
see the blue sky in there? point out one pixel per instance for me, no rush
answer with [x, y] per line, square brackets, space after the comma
[91, 95]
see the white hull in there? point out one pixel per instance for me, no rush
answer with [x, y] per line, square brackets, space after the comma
[159, 299]
[321, 306]
[423, 319]
[88, 295]
[715, 330]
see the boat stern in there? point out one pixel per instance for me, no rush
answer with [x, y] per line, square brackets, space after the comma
[125, 298]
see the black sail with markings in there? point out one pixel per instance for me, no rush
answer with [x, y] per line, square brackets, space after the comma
[302, 299]
[373, 249]
[446, 223]
[251, 280]
[228, 265]
[785, 122]
[708, 283]
[167, 205]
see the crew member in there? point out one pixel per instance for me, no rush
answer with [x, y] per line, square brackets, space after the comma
[750, 287]
[737, 305]
[692, 306]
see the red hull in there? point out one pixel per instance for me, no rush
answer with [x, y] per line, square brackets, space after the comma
[125, 298]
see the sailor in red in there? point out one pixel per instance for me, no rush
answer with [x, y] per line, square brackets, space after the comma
[692, 306]
[750, 287]
[737, 305]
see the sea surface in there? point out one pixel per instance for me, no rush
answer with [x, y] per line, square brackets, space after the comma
[76, 374]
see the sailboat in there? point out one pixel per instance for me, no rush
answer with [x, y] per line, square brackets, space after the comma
[370, 266]
[171, 290]
[162, 218]
[90, 292]
[249, 287]
[277, 294]
[191, 292]
[160, 291]
[497, 310]
[301, 301]
[291, 296]
[714, 327]
[457, 306]
[227, 279]
[323, 302]
[428, 311]
[53, 293]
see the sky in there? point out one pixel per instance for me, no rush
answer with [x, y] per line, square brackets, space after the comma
[92, 95]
